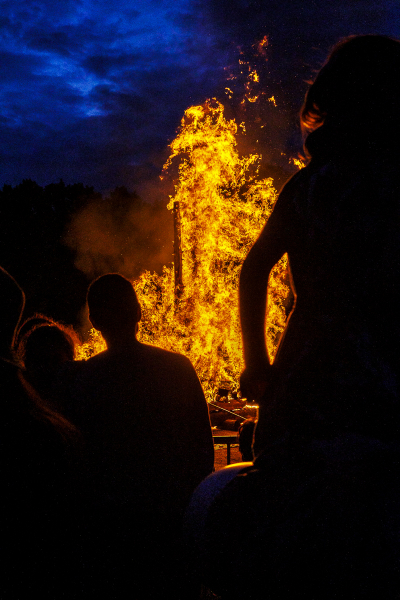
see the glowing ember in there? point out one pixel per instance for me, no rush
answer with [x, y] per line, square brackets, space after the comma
[221, 207]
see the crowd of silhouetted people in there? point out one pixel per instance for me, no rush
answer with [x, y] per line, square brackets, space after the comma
[100, 458]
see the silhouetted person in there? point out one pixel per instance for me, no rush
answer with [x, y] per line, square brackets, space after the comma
[338, 221]
[145, 419]
[36, 497]
[318, 516]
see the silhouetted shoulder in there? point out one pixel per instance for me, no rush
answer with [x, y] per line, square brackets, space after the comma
[166, 357]
[291, 202]
[146, 356]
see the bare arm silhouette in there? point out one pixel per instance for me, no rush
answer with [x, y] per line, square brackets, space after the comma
[268, 249]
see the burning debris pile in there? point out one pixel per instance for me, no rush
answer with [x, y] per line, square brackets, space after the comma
[220, 206]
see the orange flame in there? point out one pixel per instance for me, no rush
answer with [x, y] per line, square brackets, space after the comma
[223, 207]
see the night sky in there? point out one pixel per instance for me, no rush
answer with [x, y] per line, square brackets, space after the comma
[93, 91]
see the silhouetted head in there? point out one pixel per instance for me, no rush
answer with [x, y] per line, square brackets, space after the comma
[356, 95]
[12, 300]
[42, 351]
[113, 306]
[29, 325]
[46, 347]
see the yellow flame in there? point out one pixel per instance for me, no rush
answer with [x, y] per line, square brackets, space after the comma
[262, 46]
[298, 162]
[253, 75]
[223, 207]
[94, 345]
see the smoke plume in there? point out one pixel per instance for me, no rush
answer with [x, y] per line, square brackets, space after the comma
[121, 233]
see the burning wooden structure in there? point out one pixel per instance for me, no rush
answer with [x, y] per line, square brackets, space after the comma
[219, 208]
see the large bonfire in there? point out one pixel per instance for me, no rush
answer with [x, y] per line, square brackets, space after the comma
[220, 206]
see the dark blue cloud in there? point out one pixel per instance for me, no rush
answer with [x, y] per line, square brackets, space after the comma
[97, 82]
[94, 91]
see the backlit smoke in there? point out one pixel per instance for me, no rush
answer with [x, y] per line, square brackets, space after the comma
[121, 233]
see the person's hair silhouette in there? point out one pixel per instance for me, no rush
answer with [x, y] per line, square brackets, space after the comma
[42, 350]
[12, 301]
[355, 95]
